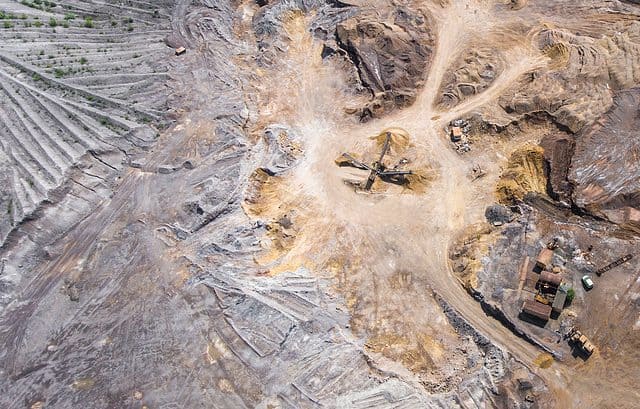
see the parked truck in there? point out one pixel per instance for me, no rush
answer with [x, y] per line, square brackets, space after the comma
[581, 341]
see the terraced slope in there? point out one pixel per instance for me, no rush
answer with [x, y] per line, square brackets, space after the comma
[81, 84]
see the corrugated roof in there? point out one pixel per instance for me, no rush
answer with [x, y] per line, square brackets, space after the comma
[558, 302]
[545, 257]
[551, 278]
[536, 309]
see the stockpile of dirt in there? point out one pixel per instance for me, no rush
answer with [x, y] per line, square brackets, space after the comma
[475, 72]
[525, 173]
[391, 54]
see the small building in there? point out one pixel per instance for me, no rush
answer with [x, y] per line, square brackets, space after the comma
[544, 258]
[553, 280]
[561, 298]
[180, 50]
[456, 134]
[536, 309]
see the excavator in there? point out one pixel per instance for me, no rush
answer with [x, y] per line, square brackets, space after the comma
[378, 169]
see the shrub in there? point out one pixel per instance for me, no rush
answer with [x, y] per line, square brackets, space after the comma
[53, 22]
[65, 24]
[58, 72]
[38, 24]
[69, 16]
[83, 60]
[88, 22]
[571, 293]
[8, 24]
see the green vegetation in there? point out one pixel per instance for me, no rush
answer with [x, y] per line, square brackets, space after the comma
[53, 22]
[8, 24]
[38, 23]
[571, 293]
[129, 27]
[58, 72]
[88, 22]
[4, 15]
[23, 17]
[69, 16]
[83, 60]
[65, 24]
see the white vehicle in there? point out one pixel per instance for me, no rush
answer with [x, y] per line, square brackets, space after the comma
[587, 282]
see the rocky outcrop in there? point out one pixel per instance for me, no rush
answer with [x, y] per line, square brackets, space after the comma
[596, 170]
[605, 168]
[584, 70]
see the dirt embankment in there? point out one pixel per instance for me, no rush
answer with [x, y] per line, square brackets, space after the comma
[391, 49]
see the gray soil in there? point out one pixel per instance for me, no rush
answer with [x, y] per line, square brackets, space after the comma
[175, 232]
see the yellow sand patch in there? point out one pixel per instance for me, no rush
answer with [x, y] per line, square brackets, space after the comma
[544, 360]
[525, 173]
[399, 139]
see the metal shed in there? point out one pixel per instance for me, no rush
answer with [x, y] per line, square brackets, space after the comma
[544, 258]
[551, 278]
[537, 309]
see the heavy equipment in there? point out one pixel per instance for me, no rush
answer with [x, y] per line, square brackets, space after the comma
[542, 299]
[616, 263]
[378, 168]
[581, 341]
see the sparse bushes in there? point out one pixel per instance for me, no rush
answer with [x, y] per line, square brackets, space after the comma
[8, 24]
[88, 22]
[83, 60]
[69, 16]
[53, 22]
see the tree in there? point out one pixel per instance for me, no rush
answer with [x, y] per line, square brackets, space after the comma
[571, 293]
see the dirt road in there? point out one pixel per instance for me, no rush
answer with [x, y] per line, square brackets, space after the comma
[402, 231]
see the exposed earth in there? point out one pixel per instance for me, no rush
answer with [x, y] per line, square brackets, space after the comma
[181, 230]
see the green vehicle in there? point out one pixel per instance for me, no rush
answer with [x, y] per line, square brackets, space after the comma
[587, 282]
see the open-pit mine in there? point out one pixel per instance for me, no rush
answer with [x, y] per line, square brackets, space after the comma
[319, 203]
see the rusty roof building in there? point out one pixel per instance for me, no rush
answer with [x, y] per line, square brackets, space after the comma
[544, 258]
[551, 278]
[536, 309]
